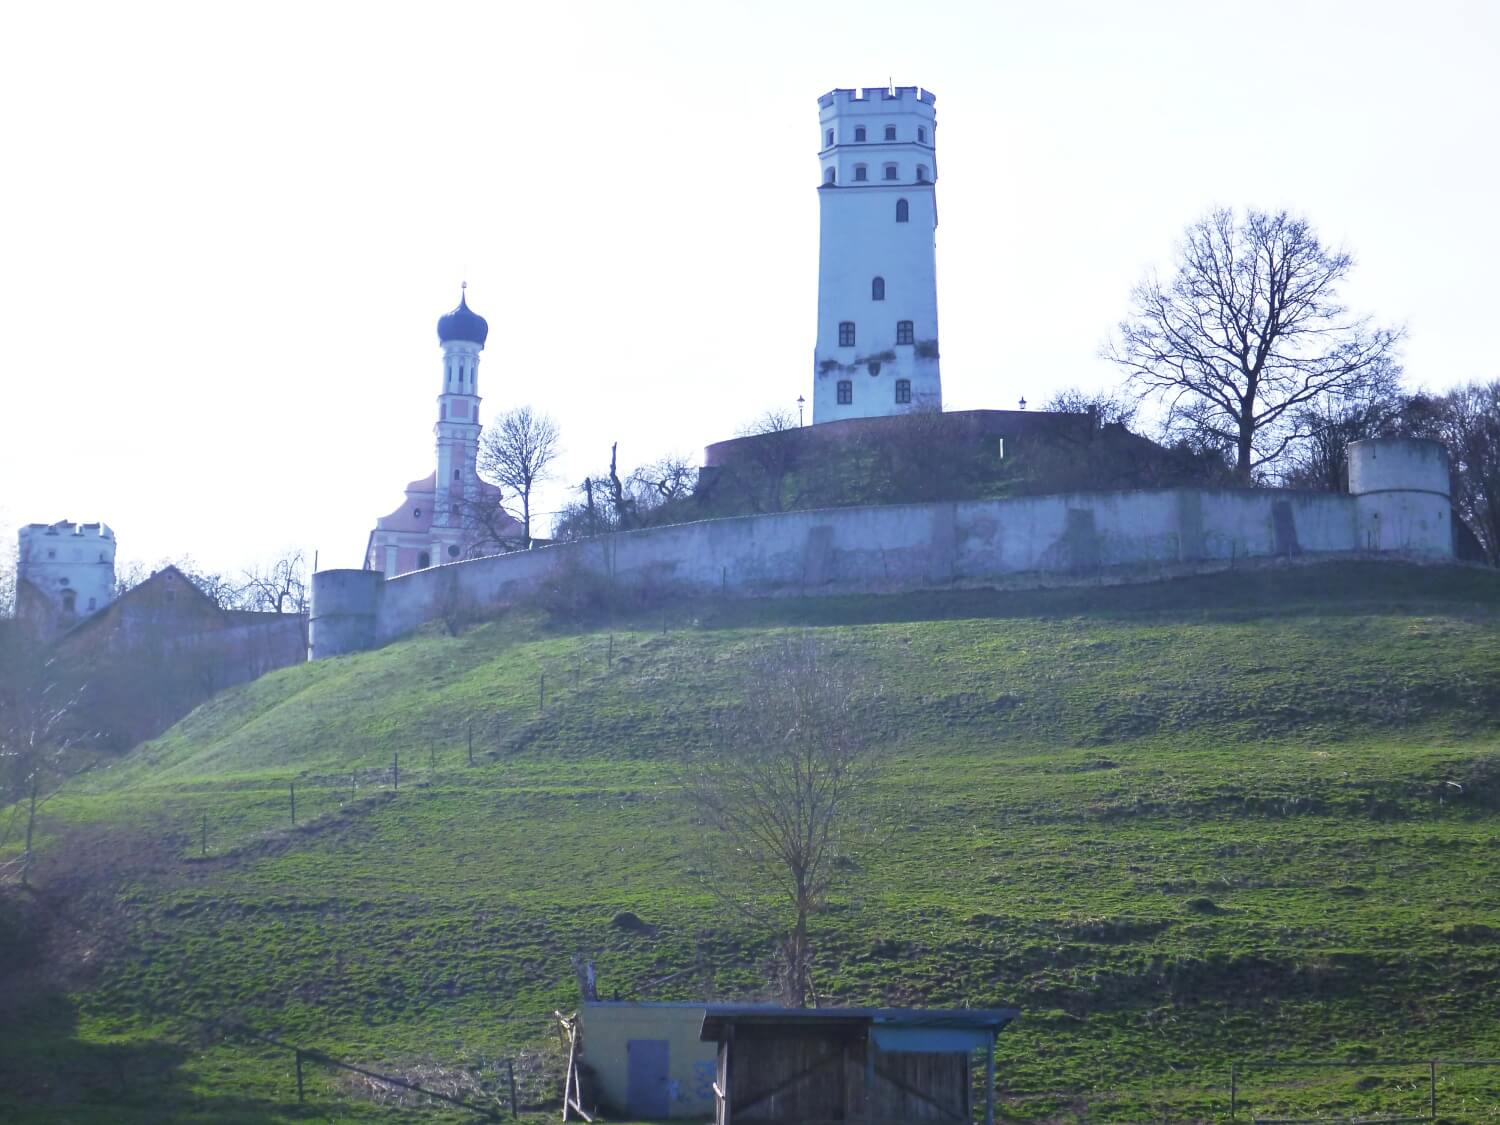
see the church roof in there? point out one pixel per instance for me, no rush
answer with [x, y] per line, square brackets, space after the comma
[463, 323]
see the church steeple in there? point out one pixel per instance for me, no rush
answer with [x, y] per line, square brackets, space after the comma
[462, 334]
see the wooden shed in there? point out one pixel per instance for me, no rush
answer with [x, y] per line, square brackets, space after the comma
[873, 1066]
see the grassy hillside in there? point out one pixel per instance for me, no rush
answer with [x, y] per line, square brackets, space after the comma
[1252, 815]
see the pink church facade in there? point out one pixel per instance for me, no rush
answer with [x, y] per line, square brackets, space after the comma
[450, 514]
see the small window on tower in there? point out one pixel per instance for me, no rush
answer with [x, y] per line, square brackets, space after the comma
[859, 134]
[921, 173]
[455, 474]
[890, 171]
[830, 176]
[921, 135]
[890, 132]
[416, 513]
[424, 560]
[877, 289]
[453, 552]
[903, 211]
[846, 333]
[828, 139]
[903, 390]
[846, 392]
[903, 332]
[861, 172]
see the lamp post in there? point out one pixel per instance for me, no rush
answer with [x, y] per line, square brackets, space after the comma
[1023, 402]
[800, 401]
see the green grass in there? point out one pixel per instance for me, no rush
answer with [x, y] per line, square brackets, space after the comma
[1246, 816]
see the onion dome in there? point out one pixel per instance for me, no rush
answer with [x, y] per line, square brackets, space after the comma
[463, 324]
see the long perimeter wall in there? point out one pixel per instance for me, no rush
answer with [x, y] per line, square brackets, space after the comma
[1399, 504]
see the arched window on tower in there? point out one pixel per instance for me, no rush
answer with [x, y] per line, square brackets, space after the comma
[903, 211]
[69, 600]
[861, 172]
[830, 176]
[891, 172]
[921, 135]
[859, 134]
[846, 392]
[877, 289]
[828, 139]
[890, 132]
[921, 173]
[424, 560]
[903, 390]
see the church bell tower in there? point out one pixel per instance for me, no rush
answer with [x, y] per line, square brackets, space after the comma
[462, 334]
[877, 349]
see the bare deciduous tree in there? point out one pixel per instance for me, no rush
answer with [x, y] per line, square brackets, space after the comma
[279, 587]
[1249, 328]
[782, 789]
[516, 451]
[1328, 423]
[1467, 421]
[37, 729]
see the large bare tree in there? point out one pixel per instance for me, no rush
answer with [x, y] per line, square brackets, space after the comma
[782, 790]
[1249, 328]
[516, 451]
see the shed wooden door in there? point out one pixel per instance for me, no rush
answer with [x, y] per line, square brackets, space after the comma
[646, 1091]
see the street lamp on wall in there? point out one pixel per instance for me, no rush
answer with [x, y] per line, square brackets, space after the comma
[800, 401]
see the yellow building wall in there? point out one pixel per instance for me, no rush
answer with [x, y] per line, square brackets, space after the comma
[608, 1027]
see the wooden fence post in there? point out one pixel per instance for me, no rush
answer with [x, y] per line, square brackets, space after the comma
[396, 769]
[205, 835]
[609, 654]
[471, 742]
[510, 1068]
[541, 691]
[300, 1095]
[292, 788]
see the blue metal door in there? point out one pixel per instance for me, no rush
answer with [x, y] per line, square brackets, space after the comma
[646, 1078]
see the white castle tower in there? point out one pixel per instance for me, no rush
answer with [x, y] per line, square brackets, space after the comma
[65, 569]
[877, 351]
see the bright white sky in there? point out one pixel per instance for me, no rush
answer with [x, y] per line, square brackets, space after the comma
[227, 231]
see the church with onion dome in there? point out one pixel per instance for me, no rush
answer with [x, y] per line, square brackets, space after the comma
[449, 514]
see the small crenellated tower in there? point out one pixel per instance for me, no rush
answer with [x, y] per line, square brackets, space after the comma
[877, 349]
[64, 572]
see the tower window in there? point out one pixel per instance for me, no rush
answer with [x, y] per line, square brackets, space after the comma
[877, 289]
[921, 134]
[921, 173]
[828, 139]
[416, 513]
[70, 600]
[903, 390]
[830, 175]
[455, 474]
[890, 132]
[846, 333]
[442, 410]
[846, 392]
[861, 172]
[890, 171]
[903, 211]
[903, 332]
[424, 560]
[859, 133]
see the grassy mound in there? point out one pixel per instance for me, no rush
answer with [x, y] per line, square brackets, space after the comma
[1247, 816]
